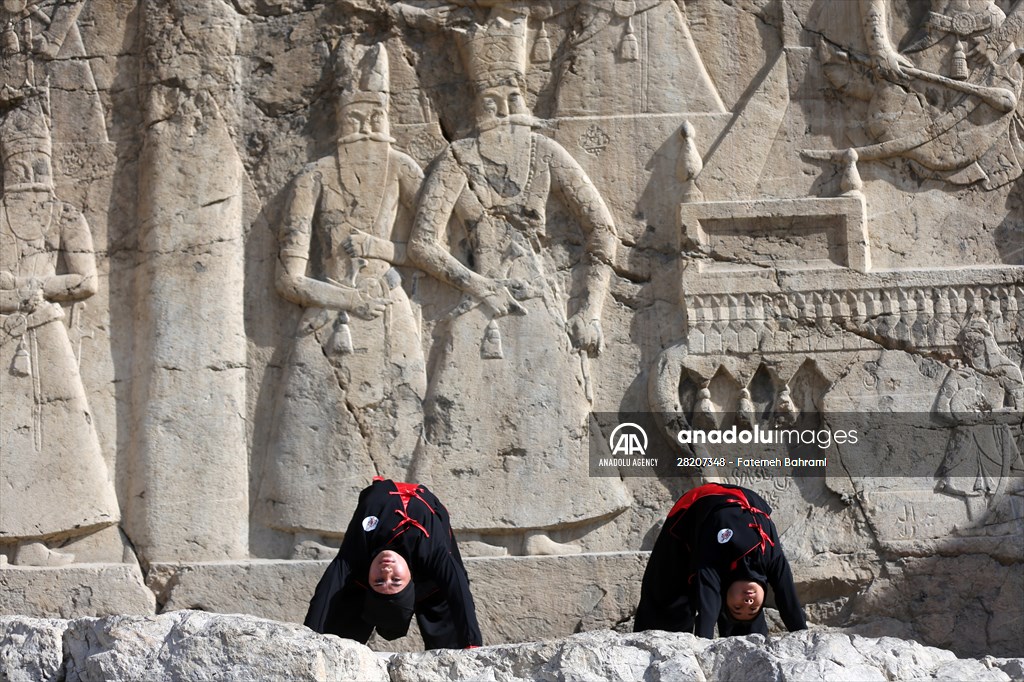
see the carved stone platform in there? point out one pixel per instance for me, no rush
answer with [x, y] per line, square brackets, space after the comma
[515, 597]
[74, 591]
[833, 232]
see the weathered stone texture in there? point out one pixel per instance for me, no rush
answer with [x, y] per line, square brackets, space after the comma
[253, 252]
[75, 591]
[31, 649]
[192, 645]
[516, 602]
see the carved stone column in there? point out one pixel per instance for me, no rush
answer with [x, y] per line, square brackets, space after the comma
[188, 496]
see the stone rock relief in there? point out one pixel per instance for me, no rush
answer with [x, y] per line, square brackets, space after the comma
[511, 332]
[352, 390]
[317, 259]
[947, 98]
[49, 439]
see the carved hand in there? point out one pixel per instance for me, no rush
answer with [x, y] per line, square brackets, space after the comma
[30, 290]
[423, 19]
[359, 303]
[499, 301]
[359, 245]
[8, 280]
[370, 309]
[586, 334]
[889, 63]
[44, 48]
[984, 49]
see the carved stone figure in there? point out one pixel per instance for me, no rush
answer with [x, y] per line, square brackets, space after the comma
[53, 479]
[350, 404]
[644, 47]
[950, 100]
[35, 26]
[507, 408]
[983, 399]
[32, 33]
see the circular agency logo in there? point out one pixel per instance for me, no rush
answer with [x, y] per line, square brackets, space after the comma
[628, 439]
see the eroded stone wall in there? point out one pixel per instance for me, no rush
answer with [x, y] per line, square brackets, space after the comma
[257, 252]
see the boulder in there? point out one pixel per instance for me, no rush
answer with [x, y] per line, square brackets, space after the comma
[192, 645]
[31, 649]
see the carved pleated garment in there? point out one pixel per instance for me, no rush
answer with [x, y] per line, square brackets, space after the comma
[349, 405]
[506, 438]
[53, 478]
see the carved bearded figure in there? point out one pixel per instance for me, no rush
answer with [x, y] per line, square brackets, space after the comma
[53, 479]
[350, 404]
[950, 100]
[506, 415]
[983, 399]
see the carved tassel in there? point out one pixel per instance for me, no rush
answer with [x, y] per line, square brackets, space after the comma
[958, 70]
[491, 347]
[542, 46]
[9, 43]
[629, 48]
[704, 415]
[341, 337]
[22, 365]
[850, 181]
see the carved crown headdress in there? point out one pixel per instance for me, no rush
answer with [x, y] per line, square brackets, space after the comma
[26, 130]
[496, 51]
[362, 74]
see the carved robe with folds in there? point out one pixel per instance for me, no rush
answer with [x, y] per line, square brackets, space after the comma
[53, 478]
[349, 404]
[506, 431]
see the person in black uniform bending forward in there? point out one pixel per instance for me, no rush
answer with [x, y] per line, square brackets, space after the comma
[398, 557]
[712, 561]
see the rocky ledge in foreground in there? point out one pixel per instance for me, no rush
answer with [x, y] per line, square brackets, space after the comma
[193, 645]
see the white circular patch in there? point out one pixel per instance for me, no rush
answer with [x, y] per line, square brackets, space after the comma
[369, 523]
[724, 535]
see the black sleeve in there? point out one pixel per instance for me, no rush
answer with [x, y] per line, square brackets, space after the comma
[664, 592]
[328, 608]
[327, 590]
[444, 563]
[437, 627]
[780, 577]
[708, 586]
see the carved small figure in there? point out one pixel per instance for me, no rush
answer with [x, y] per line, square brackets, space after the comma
[982, 399]
[510, 427]
[54, 483]
[353, 384]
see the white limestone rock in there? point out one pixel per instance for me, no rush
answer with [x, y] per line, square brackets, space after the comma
[192, 645]
[30, 649]
[802, 656]
[592, 655]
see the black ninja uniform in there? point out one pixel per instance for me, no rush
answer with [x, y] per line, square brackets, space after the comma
[408, 519]
[714, 535]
